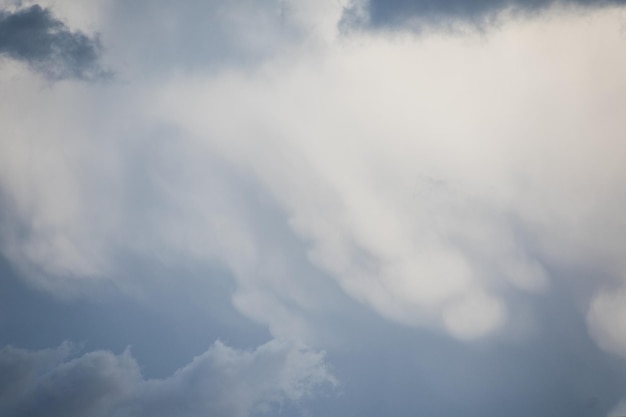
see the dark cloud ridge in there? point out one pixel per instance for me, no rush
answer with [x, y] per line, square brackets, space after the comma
[34, 36]
[221, 382]
[414, 14]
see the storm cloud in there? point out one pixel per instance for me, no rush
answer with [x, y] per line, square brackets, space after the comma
[35, 36]
[418, 14]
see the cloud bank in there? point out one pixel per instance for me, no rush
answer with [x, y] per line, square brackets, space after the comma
[34, 36]
[421, 14]
[222, 382]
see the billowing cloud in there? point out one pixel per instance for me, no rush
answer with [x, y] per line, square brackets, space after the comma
[444, 211]
[425, 176]
[220, 382]
[420, 14]
[34, 36]
[311, 182]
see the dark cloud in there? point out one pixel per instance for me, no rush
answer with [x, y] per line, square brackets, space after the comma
[33, 35]
[418, 13]
[220, 382]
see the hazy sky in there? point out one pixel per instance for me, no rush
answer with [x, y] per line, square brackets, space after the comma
[332, 208]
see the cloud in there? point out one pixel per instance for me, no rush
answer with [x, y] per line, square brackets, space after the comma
[619, 410]
[334, 173]
[434, 179]
[607, 320]
[34, 36]
[476, 315]
[156, 37]
[420, 14]
[397, 198]
[220, 382]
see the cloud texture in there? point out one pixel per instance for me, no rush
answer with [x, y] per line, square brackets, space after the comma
[422, 14]
[33, 35]
[441, 209]
[428, 222]
[220, 382]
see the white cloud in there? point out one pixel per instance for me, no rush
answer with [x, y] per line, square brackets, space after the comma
[427, 177]
[607, 320]
[425, 169]
[475, 315]
[221, 382]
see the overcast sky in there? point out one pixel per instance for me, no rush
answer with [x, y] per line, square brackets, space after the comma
[334, 208]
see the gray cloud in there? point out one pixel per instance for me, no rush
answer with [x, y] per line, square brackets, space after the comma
[416, 14]
[159, 36]
[33, 35]
[220, 382]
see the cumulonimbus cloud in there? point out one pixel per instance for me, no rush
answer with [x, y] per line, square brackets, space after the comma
[222, 382]
[34, 36]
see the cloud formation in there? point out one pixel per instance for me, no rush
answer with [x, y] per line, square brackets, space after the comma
[34, 36]
[222, 382]
[418, 14]
[298, 178]
[433, 182]
[607, 319]
[442, 214]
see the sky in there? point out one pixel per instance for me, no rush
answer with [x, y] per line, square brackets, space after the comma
[301, 208]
